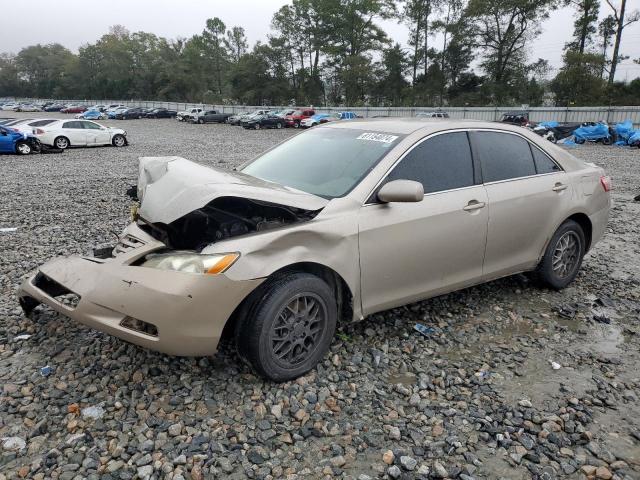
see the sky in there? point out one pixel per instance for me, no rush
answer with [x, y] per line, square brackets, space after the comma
[73, 23]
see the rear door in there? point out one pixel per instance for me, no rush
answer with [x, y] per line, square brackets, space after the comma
[529, 195]
[409, 251]
[6, 141]
[75, 132]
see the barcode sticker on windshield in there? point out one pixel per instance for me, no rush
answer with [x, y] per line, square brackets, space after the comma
[378, 137]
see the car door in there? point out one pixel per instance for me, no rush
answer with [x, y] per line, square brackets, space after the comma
[6, 141]
[96, 135]
[528, 196]
[410, 251]
[75, 132]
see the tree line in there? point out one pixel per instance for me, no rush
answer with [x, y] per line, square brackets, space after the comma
[335, 52]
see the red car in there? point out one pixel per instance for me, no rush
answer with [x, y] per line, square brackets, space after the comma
[74, 109]
[296, 117]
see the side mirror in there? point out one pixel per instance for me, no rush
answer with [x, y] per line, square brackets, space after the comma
[401, 191]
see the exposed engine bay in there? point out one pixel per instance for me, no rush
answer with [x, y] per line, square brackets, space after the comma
[222, 218]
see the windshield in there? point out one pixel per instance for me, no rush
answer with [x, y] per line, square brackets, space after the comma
[327, 162]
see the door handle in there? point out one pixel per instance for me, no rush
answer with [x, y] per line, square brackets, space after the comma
[474, 205]
[559, 187]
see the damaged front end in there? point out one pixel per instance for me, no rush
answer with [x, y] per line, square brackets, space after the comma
[223, 218]
[188, 206]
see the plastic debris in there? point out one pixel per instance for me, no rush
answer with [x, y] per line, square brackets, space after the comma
[24, 336]
[46, 371]
[593, 133]
[8, 229]
[13, 443]
[425, 331]
[94, 413]
[555, 365]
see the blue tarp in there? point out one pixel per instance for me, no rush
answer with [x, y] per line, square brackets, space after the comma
[598, 131]
[551, 124]
[625, 133]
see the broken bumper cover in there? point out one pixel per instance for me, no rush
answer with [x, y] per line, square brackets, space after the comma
[187, 312]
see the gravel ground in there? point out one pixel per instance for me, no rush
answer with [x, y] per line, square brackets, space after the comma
[478, 398]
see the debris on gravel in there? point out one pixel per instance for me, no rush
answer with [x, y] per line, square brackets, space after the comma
[478, 397]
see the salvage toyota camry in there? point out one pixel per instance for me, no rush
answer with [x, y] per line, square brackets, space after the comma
[337, 223]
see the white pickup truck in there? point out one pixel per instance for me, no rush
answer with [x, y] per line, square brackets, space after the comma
[187, 115]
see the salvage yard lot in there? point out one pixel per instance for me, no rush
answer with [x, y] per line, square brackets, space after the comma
[477, 397]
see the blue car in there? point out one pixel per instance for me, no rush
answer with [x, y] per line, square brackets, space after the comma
[93, 115]
[12, 141]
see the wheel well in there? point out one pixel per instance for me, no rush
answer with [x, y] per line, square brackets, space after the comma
[584, 222]
[344, 296]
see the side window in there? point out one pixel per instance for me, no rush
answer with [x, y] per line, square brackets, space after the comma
[90, 126]
[503, 156]
[543, 163]
[440, 163]
[71, 125]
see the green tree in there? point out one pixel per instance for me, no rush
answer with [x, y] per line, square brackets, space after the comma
[579, 82]
[502, 30]
[620, 24]
[236, 42]
[584, 26]
[392, 86]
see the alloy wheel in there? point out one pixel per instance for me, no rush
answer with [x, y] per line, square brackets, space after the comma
[298, 329]
[24, 149]
[566, 254]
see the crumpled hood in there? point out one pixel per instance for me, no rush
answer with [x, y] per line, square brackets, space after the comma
[171, 187]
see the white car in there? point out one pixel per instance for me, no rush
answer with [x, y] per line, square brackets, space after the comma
[10, 106]
[187, 114]
[27, 108]
[80, 133]
[28, 125]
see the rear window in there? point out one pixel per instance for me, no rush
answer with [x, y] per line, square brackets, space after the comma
[41, 123]
[543, 163]
[503, 156]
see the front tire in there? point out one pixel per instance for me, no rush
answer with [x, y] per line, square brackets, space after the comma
[278, 125]
[61, 142]
[563, 256]
[290, 327]
[23, 148]
[257, 126]
[118, 140]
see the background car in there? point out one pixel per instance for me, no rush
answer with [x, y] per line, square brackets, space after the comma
[54, 107]
[161, 113]
[314, 120]
[92, 115]
[432, 115]
[74, 109]
[28, 125]
[236, 118]
[520, 119]
[129, 113]
[28, 108]
[10, 107]
[12, 141]
[186, 115]
[114, 112]
[210, 116]
[267, 120]
[80, 133]
[296, 117]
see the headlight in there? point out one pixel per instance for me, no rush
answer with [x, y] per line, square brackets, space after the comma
[187, 262]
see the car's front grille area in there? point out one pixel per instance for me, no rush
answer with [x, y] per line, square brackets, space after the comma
[126, 244]
[55, 290]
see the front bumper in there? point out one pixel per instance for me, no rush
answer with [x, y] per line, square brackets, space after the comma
[188, 311]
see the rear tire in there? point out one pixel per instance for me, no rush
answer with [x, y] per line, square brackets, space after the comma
[201, 121]
[278, 125]
[606, 141]
[257, 126]
[289, 328]
[563, 256]
[61, 142]
[580, 141]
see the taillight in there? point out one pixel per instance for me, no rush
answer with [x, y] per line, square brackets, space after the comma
[605, 181]
[38, 131]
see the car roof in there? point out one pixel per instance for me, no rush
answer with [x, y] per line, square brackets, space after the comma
[407, 125]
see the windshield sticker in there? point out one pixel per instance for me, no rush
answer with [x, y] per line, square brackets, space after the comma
[378, 137]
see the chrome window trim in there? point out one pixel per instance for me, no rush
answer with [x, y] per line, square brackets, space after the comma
[466, 130]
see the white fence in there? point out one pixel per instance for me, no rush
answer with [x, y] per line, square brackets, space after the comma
[537, 114]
